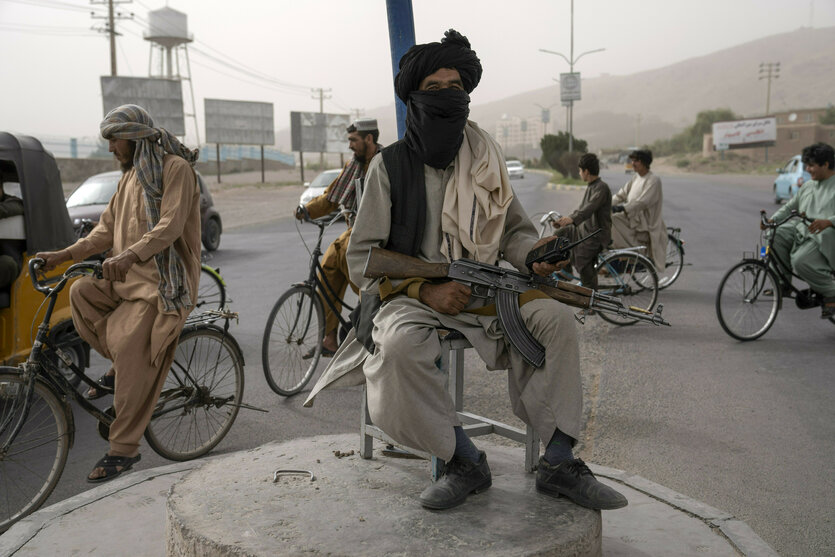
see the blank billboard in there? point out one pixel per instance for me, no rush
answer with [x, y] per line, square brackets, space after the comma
[239, 122]
[162, 98]
[315, 132]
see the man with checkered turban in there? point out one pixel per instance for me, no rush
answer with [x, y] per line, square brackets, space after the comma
[135, 313]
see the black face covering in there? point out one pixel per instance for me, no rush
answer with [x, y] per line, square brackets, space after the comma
[435, 123]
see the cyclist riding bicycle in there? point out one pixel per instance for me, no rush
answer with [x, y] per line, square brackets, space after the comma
[594, 212]
[636, 211]
[362, 140]
[134, 316]
[810, 249]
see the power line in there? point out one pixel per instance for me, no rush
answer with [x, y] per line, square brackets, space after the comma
[52, 4]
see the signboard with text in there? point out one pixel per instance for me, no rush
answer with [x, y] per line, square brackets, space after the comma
[739, 134]
[162, 98]
[239, 122]
[316, 132]
[570, 87]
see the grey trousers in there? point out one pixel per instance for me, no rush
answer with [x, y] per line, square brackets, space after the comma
[407, 397]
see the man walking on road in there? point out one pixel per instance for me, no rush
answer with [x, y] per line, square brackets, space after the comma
[134, 315]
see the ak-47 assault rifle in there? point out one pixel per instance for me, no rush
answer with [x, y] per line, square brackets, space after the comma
[505, 285]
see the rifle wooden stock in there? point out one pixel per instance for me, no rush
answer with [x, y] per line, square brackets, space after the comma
[385, 263]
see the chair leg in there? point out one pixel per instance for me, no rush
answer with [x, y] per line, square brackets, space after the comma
[531, 449]
[366, 440]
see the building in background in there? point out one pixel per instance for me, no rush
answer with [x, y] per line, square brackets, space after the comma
[519, 137]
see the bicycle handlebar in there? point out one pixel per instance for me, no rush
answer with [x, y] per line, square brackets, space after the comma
[77, 269]
[326, 220]
[793, 214]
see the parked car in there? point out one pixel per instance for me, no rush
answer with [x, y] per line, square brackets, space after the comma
[515, 169]
[319, 184]
[789, 179]
[89, 200]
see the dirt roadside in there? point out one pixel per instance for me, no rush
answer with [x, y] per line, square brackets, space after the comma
[241, 199]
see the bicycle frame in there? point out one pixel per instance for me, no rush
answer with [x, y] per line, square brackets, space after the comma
[38, 367]
[773, 262]
[321, 285]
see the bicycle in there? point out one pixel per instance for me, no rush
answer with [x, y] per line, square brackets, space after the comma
[622, 273]
[292, 343]
[211, 293]
[198, 404]
[751, 293]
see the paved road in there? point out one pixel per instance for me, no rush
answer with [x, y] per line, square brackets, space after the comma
[747, 428]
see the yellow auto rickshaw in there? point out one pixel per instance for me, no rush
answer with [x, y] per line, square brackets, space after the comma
[28, 171]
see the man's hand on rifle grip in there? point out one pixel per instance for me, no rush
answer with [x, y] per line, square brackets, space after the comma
[447, 297]
[545, 269]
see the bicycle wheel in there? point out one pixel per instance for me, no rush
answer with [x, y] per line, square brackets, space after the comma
[675, 262]
[201, 395]
[748, 300]
[631, 277]
[292, 342]
[211, 293]
[31, 465]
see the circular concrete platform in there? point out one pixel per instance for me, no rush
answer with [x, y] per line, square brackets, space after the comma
[231, 506]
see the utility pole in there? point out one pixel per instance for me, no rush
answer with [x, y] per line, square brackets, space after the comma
[571, 61]
[768, 71]
[110, 25]
[321, 98]
[357, 112]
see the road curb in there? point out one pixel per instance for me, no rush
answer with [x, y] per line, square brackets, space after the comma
[737, 532]
[22, 532]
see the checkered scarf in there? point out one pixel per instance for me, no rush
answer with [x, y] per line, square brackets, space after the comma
[132, 122]
[344, 190]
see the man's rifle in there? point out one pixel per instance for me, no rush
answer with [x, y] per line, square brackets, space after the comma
[504, 286]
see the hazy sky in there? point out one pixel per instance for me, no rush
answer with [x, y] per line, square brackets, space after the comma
[52, 61]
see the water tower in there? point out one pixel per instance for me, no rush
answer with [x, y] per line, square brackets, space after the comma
[168, 35]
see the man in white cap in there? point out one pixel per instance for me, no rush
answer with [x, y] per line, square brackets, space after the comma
[362, 140]
[134, 315]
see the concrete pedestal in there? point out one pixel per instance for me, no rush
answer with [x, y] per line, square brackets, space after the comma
[231, 506]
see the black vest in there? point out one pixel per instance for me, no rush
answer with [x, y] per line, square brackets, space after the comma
[408, 198]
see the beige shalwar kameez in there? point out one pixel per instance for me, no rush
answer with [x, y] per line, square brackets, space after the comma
[640, 223]
[406, 393]
[126, 321]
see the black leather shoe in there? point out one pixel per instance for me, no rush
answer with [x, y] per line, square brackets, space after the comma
[574, 480]
[460, 478]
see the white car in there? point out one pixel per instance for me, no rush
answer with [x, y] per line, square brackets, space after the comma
[318, 186]
[515, 169]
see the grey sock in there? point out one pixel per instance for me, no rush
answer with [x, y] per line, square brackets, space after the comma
[559, 448]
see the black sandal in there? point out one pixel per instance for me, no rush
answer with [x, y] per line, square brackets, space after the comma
[111, 465]
[106, 383]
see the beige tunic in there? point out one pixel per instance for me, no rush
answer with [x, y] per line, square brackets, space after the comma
[641, 220]
[406, 394]
[124, 226]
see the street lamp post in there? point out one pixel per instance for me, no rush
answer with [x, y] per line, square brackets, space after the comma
[571, 61]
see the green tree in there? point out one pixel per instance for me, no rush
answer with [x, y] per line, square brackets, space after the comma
[690, 140]
[828, 118]
[555, 151]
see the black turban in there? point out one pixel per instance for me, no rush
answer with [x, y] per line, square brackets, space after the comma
[421, 60]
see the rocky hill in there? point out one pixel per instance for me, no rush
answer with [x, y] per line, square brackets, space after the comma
[668, 98]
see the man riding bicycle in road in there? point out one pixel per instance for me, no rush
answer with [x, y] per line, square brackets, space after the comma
[362, 140]
[810, 250]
